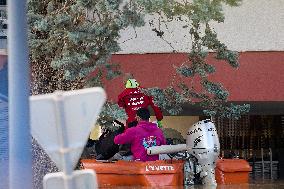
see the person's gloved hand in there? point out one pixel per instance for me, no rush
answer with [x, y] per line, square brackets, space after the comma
[120, 130]
[160, 124]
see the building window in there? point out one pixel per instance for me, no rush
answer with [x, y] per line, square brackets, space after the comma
[3, 2]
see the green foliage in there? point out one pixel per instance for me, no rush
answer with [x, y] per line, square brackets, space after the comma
[169, 99]
[68, 40]
[185, 71]
[110, 112]
[77, 36]
[197, 16]
[215, 89]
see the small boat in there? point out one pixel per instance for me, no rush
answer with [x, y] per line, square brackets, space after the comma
[200, 163]
[160, 173]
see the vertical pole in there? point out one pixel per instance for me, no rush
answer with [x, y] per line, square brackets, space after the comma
[262, 163]
[271, 163]
[64, 141]
[253, 163]
[20, 166]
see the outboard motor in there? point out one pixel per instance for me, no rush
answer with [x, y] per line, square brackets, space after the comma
[202, 142]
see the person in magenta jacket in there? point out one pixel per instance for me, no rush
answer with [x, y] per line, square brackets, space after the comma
[146, 134]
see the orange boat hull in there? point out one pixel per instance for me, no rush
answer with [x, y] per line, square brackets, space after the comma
[135, 173]
[232, 171]
[161, 173]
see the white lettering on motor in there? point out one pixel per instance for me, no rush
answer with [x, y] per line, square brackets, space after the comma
[194, 131]
[159, 168]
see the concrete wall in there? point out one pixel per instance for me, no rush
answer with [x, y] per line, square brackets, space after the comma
[257, 25]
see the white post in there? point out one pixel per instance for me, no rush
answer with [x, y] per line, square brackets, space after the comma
[20, 165]
[63, 137]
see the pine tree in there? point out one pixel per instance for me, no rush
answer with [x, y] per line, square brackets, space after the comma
[69, 39]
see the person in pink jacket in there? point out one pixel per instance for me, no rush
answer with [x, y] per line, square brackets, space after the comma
[146, 134]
